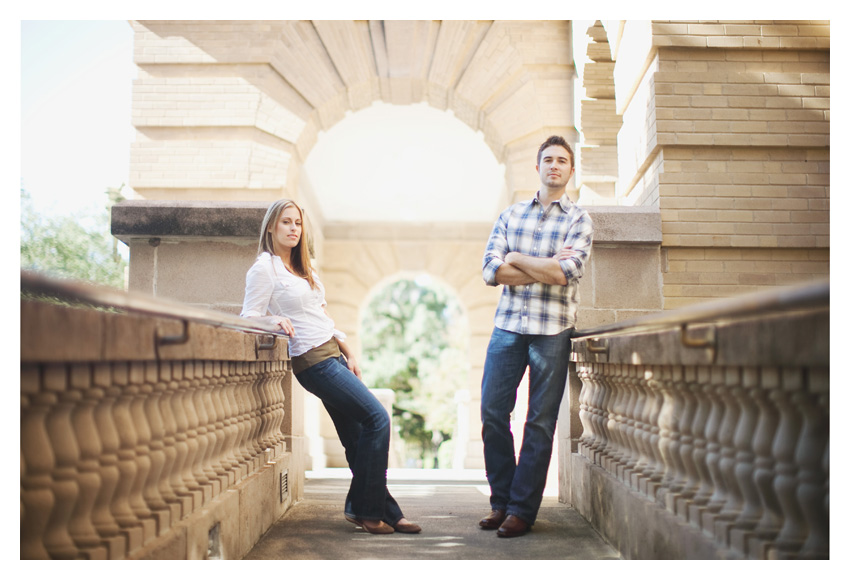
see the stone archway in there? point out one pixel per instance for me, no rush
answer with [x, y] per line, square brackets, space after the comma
[356, 260]
[228, 110]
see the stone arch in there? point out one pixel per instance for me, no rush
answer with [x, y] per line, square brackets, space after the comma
[356, 261]
[230, 109]
[465, 416]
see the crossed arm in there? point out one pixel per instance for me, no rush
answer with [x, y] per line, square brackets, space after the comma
[520, 269]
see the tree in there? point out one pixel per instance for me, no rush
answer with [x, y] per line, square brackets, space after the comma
[77, 246]
[412, 345]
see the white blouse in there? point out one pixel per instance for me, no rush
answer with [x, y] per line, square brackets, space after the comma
[272, 289]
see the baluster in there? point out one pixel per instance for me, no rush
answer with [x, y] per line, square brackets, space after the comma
[255, 451]
[689, 426]
[703, 390]
[58, 539]
[125, 505]
[585, 411]
[196, 431]
[655, 470]
[814, 442]
[264, 417]
[174, 488]
[713, 448]
[617, 444]
[164, 498]
[37, 462]
[217, 417]
[82, 528]
[641, 434]
[765, 464]
[184, 440]
[231, 423]
[240, 418]
[668, 435]
[200, 395]
[731, 496]
[630, 455]
[243, 407]
[686, 473]
[119, 538]
[748, 510]
[789, 399]
[274, 396]
[148, 423]
[601, 404]
[137, 441]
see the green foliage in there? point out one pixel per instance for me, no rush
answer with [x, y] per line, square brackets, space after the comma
[77, 246]
[413, 345]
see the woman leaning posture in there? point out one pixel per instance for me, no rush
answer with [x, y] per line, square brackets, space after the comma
[282, 288]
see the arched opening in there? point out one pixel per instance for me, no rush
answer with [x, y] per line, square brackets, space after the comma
[415, 343]
[403, 163]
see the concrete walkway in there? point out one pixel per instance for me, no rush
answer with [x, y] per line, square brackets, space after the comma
[447, 504]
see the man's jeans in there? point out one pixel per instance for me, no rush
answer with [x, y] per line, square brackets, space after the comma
[363, 427]
[518, 487]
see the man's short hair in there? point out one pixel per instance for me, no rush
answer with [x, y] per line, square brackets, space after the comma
[556, 140]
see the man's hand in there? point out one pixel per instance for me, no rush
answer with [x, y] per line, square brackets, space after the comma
[545, 270]
[565, 254]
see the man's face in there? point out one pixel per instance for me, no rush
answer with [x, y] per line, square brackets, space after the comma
[555, 168]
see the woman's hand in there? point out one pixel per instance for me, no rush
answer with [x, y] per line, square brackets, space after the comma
[285, 324]
[354, 367]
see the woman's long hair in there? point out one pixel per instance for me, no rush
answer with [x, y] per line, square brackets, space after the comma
[300, 256]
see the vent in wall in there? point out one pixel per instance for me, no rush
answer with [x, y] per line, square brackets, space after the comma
[284, 485]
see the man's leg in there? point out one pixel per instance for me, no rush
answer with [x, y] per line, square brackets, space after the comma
[504, 367]
[549, 364]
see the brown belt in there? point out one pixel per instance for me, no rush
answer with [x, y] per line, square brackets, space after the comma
[314, 356]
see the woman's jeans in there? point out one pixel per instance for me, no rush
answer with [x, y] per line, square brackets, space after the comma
[517, 487]
[363, 426]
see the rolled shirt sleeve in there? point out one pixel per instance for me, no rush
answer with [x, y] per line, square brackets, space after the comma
[259, 284]
[580, 240]
[497, 249]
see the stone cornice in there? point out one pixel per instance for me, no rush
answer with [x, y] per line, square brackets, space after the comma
[241, 221]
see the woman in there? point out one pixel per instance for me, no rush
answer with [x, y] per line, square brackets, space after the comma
[283, 284]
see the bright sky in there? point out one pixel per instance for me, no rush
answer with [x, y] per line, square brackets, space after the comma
[415, 163]
[76, 79]
[76, 82]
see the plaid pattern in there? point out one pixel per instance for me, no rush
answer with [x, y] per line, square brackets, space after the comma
[529, 228]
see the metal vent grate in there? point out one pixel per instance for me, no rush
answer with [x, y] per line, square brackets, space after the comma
[284, 485]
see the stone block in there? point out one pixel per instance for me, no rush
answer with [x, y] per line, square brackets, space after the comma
[627, 278]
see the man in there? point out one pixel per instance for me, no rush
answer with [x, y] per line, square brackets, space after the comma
[537, 251]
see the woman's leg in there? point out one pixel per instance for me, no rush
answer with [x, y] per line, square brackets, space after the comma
[363, 426]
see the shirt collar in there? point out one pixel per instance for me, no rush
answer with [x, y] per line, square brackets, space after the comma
[564, 201]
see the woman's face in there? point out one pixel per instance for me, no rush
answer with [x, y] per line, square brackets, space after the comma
[287, 230]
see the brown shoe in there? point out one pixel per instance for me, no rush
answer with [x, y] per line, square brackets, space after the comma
[512, 527]
[493, 521]
[373, 527]
[406, 527]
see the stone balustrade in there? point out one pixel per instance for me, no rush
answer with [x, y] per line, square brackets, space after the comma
[144, 437]
[707, 441]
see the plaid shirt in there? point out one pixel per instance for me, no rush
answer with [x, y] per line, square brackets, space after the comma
[529, 228]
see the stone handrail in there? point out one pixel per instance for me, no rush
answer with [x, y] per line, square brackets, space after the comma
[135, 443]
[713, 436]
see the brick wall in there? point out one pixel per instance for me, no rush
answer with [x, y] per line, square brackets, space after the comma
[735, 152]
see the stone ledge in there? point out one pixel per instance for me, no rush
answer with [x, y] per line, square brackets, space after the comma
[241, 220]
[202, 219]
[51, 333]
[795, 339]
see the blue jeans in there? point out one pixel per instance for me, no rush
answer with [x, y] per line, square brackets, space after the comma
[363, 426]
[517, 487]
